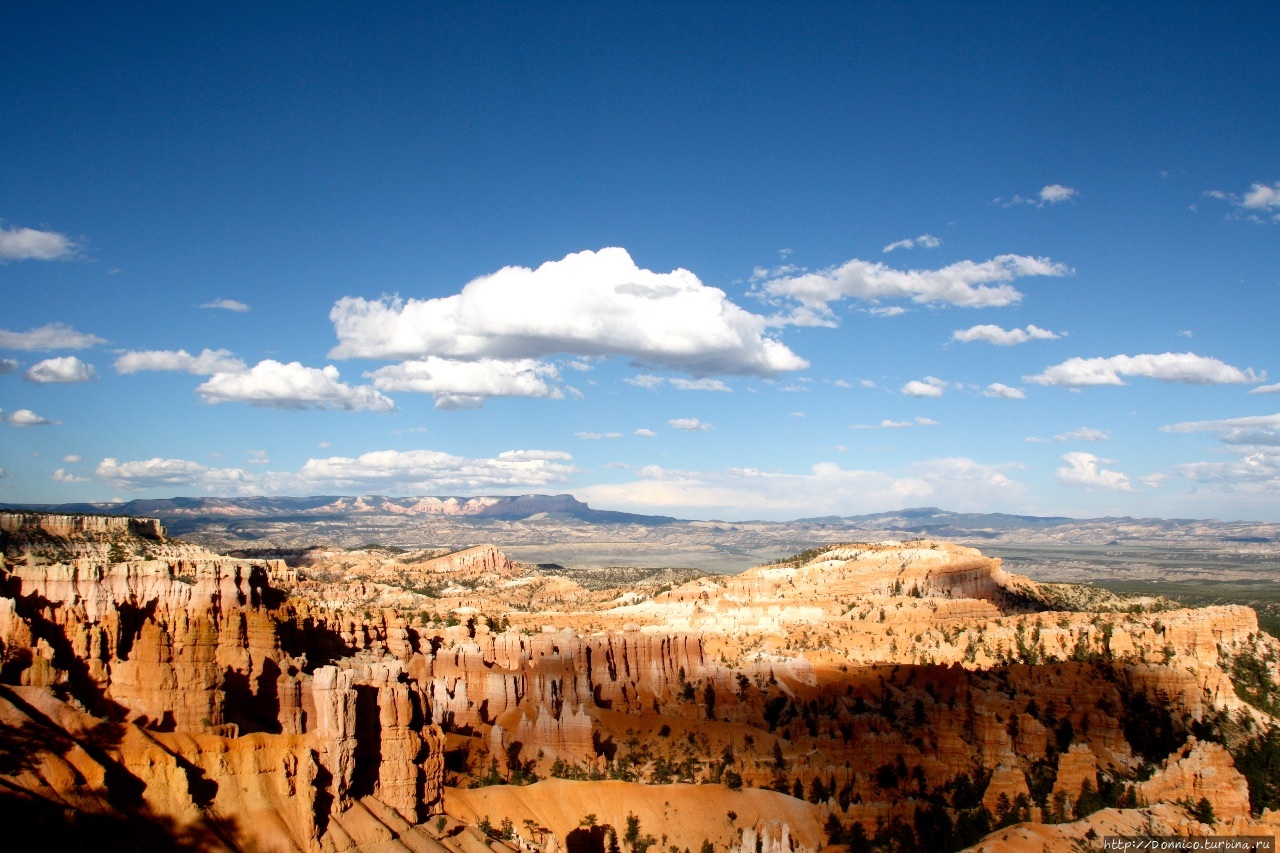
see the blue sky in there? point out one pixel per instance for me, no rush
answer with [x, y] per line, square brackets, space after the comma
[734, 261]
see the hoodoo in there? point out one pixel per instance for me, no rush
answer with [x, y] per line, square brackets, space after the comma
[350, 700]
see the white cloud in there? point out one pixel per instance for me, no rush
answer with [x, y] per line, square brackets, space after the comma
[645, 381]
[1250, 430]
[1266, 389]
[1185, 333]
[645, 433]
[799, 415]
[227, 305]
[653, 383]
[924, 241]
[826, 488]
[1050, 194]
[596, 436]
[700, 385]
[450, 380]
[414, 471]
[292, 386]
[1032, 439]
[28, 244]
[688, 424]
[207, 363]
[1084, 434]
[167, 473]
[1255, 440]
[66, 368]
[72, 458]
[970, 284]
[62, 475]
[1262, 196]
[1167, 367]
[887, 311]
[1056, 194]
[429, 471]
[48, 337]
[8, 365]
[259, 457]
[1082, 470]
[588, 304]
[888, 424]
[1001, 337]
[1255, 472]
[1003, 392]
[28, 418]
[931, 386]
[1261, 203]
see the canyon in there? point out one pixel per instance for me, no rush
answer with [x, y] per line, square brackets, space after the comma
[890, 694]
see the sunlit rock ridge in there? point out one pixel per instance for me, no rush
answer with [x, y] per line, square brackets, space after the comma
[377, 698]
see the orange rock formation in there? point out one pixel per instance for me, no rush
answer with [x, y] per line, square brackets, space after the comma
[330, 704]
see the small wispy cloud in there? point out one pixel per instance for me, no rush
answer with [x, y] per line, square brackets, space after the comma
[1000, 391]
[924, 241]
[1083, 434]
[227, 305]
[1166, 367]
[700, 385]
[28, 418]
[1001, 337]
[689, 424]
[646, 381]
[1260, 203]
[891, 424]
[1049, 194]
[930, 386]
[207, 363]
[49, 337]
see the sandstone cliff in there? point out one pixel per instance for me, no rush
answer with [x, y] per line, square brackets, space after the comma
[242, 717]
[341, 701]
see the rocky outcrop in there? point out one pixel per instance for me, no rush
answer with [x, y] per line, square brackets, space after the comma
[864, 684]
[474, 562]
[218, 707]
[1200, 770]
[32, 524]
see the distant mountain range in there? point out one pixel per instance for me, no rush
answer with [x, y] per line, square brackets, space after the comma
[188, 513]
[561, 529]
[331, 507]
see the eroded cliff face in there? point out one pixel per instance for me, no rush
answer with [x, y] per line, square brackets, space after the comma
[866, 682]
[223, 706]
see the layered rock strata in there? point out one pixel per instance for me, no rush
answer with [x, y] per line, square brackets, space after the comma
[242, 713]
[866, 683]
